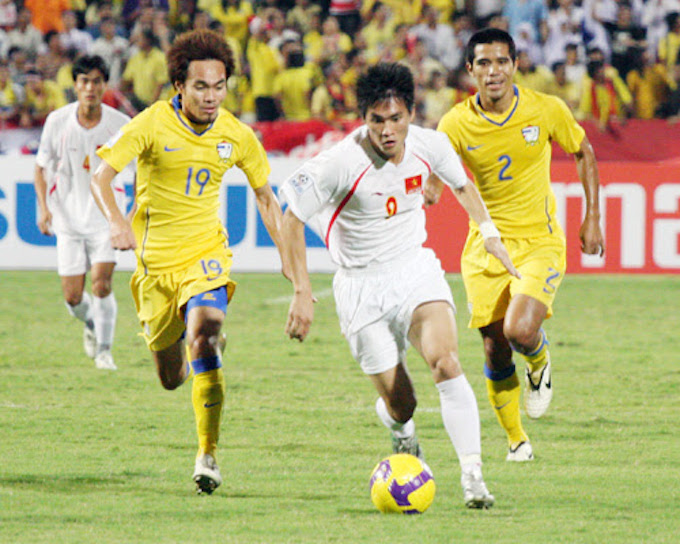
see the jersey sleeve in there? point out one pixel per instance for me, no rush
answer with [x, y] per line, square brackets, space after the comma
[565, 130]
[253, 159]
[129, 142]
[447, 163]
[47, 150]
[447, 125]
[312, 186]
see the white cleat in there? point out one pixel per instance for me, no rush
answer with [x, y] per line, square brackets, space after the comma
[104, 361]
[408, 445]
[89, 342]
[206, 474]
[520, 453]
[537, 395]
[475, 493]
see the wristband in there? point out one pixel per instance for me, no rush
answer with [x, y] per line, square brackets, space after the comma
[488, 230]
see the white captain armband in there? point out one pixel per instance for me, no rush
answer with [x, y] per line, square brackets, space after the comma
[488, 230]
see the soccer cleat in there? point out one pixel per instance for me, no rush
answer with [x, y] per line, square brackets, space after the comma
[104, 361]
[89, 342]
[206, 474]
[537, 396]
[520, 453]
[475, 493]
[407, 445]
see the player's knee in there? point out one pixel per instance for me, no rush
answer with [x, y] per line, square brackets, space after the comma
[521, 338]
[446, 367]
[170, 383]
[73, 298]
[101, 288]
[206, 341]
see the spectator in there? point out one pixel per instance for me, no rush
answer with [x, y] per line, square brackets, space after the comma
[112, 48]
[669, 46]
[278, 33]
[421, 64]
[8, 14]
[533, 12]
[334, 40]
[604, 98]
[293, 86]
[74, 38]
[264, 65]
[46, 15]
[648, 84]
[483, 11]
[439, 39]
[346, 13]
[574, 68]
[145, 73]
[437, 100]
[560, 86]
[49, 62]
[530, 75]
[332, 101]
[312, 40]
[670, 109]
[298, 17]
[378, 33]
[25, 35]
[526, 42]
[234, 16]
[625, 38]
[42, 97]
[654, 19]
[19, 64]
[11, 96]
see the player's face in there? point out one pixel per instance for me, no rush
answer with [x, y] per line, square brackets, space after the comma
[387, 123]
[203, 91]
[90, 88]
[493, 69]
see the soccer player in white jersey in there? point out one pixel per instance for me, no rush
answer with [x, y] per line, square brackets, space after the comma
[64, 165]
[365, 198]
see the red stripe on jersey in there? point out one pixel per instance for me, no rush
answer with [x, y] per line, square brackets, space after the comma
[54, 188]
[427, 164]
[343, 203]
[119, 189]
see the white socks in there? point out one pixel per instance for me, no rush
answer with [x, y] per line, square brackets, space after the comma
[105, 311]
[461, 419]
[83, 310]
[400, 430]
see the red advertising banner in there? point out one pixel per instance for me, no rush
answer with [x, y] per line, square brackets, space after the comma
[640, 206]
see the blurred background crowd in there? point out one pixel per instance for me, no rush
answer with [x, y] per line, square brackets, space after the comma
[299, 59]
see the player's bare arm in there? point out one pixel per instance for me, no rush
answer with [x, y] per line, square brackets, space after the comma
[590, 233]
[120, 228]
[270, 210]
[472, 202]
[433, 190]
[45, 216]
[301, 310]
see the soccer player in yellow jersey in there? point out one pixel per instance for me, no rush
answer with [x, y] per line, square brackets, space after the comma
[181, 286]
[503, 134]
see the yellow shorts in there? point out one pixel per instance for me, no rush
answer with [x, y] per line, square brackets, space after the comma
[541, 261]
[160, 299]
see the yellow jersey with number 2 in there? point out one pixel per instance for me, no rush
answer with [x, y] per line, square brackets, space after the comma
[509, 156]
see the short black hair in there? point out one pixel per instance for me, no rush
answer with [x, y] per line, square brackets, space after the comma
[87, 63]
[383, 81]
[593, 67]
[489, 35]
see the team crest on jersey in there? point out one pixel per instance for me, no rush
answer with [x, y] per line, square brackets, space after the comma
[530, 134]
[413, 184]
[224, 150]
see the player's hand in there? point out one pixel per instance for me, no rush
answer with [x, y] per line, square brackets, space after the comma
[300, 315]
[495, 246]
[433, 190]
[122, 236]
[45, 223]
[592, 241]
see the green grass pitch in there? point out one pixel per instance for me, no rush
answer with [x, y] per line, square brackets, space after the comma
[90, 456]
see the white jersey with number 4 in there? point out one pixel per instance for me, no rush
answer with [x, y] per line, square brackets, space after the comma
[369, 210]
[67, 153]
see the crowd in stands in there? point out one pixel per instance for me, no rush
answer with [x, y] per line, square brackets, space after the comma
[299, 59]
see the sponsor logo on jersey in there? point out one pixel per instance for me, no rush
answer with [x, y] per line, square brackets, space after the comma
[224, 150]
[414, 184]
[530, 134]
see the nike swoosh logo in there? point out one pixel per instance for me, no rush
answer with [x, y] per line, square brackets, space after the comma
[473, 147]
[502, 406]
[206, 405]
[169, 149]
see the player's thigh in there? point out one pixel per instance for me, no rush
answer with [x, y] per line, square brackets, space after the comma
[72, 288]
[377, 348]
[542, 263]
[487, 284]
[433, 331]
[101, 276]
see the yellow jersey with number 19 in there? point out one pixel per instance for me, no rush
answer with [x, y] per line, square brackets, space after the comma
[509, 156]
[179, 173]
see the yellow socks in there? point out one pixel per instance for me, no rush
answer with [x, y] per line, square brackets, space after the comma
[538, 358]
[504, 394]
[207, 396]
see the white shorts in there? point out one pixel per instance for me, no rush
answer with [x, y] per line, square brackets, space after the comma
[76, 253]
[375, 306]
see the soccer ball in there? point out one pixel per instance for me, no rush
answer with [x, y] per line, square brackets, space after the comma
[402, 483]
